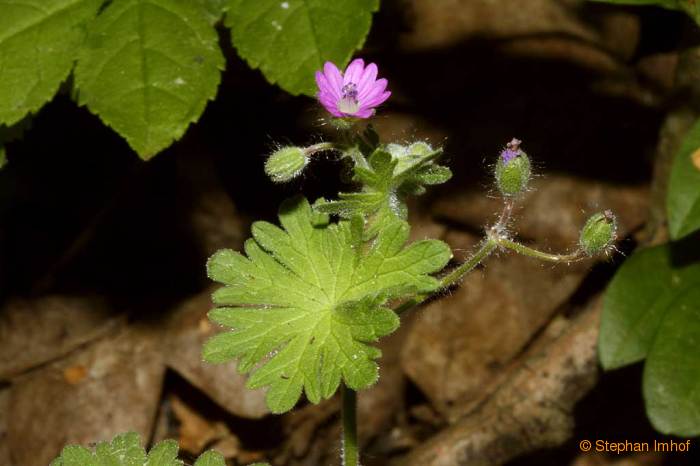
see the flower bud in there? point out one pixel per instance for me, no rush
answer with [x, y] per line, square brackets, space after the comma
[512, 170]
[420, 148]
[598, 233]
[286, 163]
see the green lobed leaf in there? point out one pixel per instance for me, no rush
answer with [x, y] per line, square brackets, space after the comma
[210, 458]
[683, 201]
[164, 454]
[126, 450]
[672, 371]
[306, 301]
[148, 69]
[38, 43]
[123, 450]
[75, 455]
[637, 300]
[392, 173]
[290, 40]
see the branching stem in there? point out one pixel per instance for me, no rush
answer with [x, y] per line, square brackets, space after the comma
[496, 236]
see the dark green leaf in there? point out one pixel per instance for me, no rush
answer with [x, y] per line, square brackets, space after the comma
[38, 44]
[290, 40]
[683, 202]
[672, 370]
[148, 69]
[639, 297]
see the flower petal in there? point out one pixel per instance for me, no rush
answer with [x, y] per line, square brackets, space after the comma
[378, 100]
[369, 75]
[364, 113]
[324, 87]
[376, 89]
[328, 101]
[353, 72]
[335, 80]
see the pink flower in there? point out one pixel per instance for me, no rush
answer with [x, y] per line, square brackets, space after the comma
[354, 93]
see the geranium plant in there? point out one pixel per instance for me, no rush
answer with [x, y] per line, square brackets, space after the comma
[307, 299]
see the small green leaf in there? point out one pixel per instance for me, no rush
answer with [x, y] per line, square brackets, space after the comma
[392, 173]
[672, 370]
[74, 455]
[123, 450]
[290, 40]
[210, 458]
[164, 454]
[148, 69]
[433, 174]
[307, 300]
[638, 298]
[126, 450]
[3, 156]
[683, 202]
[38, 43]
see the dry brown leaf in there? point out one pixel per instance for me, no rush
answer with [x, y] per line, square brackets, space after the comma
[119, 393]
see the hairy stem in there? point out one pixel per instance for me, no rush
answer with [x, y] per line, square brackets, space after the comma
[486, 248]
[321, 147]
[351, 451]
[530, 252]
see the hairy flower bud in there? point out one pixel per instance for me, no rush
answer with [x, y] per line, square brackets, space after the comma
[512, 170]
[598, 233]
[286, 163]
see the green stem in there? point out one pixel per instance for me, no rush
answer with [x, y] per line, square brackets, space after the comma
[320, 147]
[351, 453]
[486, 248]
[527, 251]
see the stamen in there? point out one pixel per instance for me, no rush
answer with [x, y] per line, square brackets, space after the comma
[350, 91]
[349, 104]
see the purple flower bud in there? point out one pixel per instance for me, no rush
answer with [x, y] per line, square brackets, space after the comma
[511, 151]
[354, 93]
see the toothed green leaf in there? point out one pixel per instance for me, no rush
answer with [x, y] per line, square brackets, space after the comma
[392, 174]
[306, 301]
[38, 43]
[148, 68]
[290, 40]
[210, 458]
[126, 450]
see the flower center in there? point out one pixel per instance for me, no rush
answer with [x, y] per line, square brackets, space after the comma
[348, 102]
